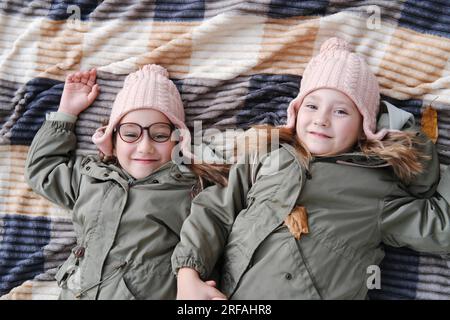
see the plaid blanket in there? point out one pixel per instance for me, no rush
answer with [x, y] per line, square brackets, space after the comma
[236, 63]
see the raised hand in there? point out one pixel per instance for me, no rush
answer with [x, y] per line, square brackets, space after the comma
[80, 91]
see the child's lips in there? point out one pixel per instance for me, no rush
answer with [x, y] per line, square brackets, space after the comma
[320, 135]
[145, 160]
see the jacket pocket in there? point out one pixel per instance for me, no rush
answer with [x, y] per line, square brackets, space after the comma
[335, 267]
[152, 279]
[309, 271]
[123, 292]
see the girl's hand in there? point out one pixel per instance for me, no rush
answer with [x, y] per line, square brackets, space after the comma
[80, 91]
[191, 287]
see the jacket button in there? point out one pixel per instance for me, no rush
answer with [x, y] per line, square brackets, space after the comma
[88, 168]
[155, 181]
[178, 176]
[106, 174]
[288, 276]
[79, 251]
[308, 175]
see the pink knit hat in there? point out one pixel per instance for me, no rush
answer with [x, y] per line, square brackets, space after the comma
[149, 87]
[336, 67]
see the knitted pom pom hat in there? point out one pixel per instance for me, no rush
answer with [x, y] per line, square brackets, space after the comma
[336, 67]
[149, 87]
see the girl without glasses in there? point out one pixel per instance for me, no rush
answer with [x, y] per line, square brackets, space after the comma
[306, 220]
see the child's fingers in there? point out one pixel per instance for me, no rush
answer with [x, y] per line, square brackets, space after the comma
[84, 77]
[93, 94]
[76, 77]
[211, 283]
[92, 77]
[216, 294]
[69, 78]
[219, 296]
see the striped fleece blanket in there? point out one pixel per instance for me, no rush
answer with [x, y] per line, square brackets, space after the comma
[236, 63]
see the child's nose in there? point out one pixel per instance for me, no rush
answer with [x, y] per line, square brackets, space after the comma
[321, 120]
[145, 145]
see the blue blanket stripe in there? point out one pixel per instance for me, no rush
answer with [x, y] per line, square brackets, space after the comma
[21, 254]
[267, 100]
[431, 16]
[292, 8]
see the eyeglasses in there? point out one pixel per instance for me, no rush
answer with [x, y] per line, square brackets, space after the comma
[131, 132]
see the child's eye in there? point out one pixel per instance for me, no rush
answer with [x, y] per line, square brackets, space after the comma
[131, 134]
[161, 137]
[341, 112]
[311, 106]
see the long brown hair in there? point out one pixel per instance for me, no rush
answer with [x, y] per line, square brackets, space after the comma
[286, 135]
[253, 139]
[402, 150]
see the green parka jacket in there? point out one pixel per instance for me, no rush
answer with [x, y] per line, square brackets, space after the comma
[126, 229]
[353, 205]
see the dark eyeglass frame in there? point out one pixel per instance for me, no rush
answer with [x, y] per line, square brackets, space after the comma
[171, 126]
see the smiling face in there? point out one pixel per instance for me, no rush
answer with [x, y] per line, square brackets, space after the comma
[144, 156]
[328, 122]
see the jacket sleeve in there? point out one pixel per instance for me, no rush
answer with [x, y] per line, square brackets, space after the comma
[51, 168]
[422, 224]
[205, 232]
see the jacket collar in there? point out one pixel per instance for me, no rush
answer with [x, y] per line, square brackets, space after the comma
[355, 159]
[93, 167]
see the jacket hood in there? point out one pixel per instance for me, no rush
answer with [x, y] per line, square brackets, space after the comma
[424, 178]
[393, 118]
